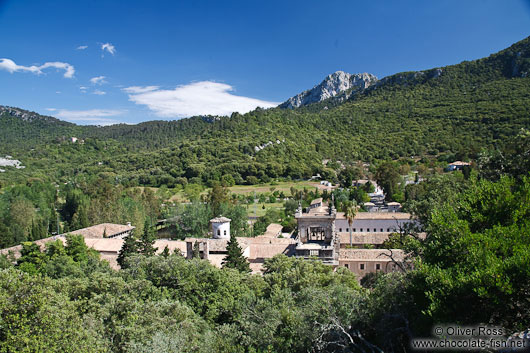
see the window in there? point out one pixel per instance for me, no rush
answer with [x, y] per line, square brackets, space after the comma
[316, 233]
[361, 230]
[347, 229]
[377, 267]
[354, 229]
[225, 232]
[388, 229]
[313, 252]
[340, 229]
[361, 267]
[347, 266]
[218, 232]
[375, 229]
[381, 230]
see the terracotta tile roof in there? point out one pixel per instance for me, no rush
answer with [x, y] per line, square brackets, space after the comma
[315, 201]
[370, 254]
[97, 231]
[160, 244]
[109, 245]
[41, 242]
[265, 251]
[273, 230]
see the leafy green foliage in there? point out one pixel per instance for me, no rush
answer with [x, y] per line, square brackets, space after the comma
[477, 251]
[388, 177]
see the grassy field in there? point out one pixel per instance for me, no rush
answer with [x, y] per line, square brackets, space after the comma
[284, 186]
[257, 209]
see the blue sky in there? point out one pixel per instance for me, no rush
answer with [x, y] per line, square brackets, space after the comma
[102, 62]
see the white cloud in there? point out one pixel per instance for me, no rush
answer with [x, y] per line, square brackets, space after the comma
[98, 80]
[138, 89]
[91, 116]
[99, 93]
[82, 47]
[11, 66]
[108, 47]
[198, 98]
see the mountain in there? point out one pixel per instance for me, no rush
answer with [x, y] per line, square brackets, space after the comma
[26, 115]
[437, 115]
[334, 84]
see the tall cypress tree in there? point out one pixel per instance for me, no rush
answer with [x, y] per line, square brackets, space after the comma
[147, 240]
[129, 247]
[235, 258]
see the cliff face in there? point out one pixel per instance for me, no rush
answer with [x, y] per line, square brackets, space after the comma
[333, 85]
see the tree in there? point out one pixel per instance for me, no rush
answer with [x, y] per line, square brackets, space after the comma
[165, 252]
[80, 218]
[387, 176]
[76, 247]
[216, 197]
[147, 240]
[227, 180]
[348, 175]
[475, 261]
[129, 247]
[350, 213]
[234, 258]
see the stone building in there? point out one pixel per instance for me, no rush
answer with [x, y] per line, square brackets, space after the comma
[324, 234]
[316, 234]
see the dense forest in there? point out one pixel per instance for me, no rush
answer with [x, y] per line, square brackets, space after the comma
[437, 115]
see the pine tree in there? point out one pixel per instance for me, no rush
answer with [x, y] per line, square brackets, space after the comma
[147, 240]
[165, 252]
[129, 247]
[235, 258]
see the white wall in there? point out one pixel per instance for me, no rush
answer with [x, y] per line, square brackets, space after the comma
[221, 230]
[370, 225]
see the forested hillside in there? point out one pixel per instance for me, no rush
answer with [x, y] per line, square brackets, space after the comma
[455, 110]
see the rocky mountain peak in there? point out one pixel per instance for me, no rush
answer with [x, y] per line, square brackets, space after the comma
[333, 85]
